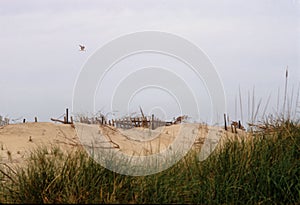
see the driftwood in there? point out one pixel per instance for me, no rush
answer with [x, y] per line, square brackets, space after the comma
[62, 121]
[144, 119]
[66, 118]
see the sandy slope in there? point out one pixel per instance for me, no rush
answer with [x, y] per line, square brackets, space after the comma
[138, 141]
[15, 138]
[15, 142]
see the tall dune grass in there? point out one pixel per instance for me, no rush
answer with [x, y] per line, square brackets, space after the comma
[264, 170]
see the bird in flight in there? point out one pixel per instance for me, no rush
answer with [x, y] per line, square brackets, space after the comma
[82, 48]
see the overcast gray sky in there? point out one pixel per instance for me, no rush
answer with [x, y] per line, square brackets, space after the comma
[250, 43]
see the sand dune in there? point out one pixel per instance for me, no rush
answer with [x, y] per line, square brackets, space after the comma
[17, 140]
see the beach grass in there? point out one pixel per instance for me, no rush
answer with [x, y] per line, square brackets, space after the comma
[263, 170]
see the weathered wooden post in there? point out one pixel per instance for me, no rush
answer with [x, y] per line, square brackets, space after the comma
[24, 120]
[71, 120]
[240, 124]
[67, 115]
[225, 125]
[228, 121]
[152, 122]
[35, 119]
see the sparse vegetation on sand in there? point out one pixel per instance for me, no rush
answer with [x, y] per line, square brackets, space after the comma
[264, 170]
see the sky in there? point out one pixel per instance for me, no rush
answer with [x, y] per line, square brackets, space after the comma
[250, 43]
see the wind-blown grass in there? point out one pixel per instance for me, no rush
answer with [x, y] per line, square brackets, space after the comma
[265, 170]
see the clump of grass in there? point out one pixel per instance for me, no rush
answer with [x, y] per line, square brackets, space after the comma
[265, 169]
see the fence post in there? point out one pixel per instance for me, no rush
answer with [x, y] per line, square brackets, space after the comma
[225, 121]
[67, 115]
[228, 121]
[35, 119]
[152, 122]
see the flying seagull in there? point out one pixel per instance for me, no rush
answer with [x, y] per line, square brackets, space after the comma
[82, 48]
